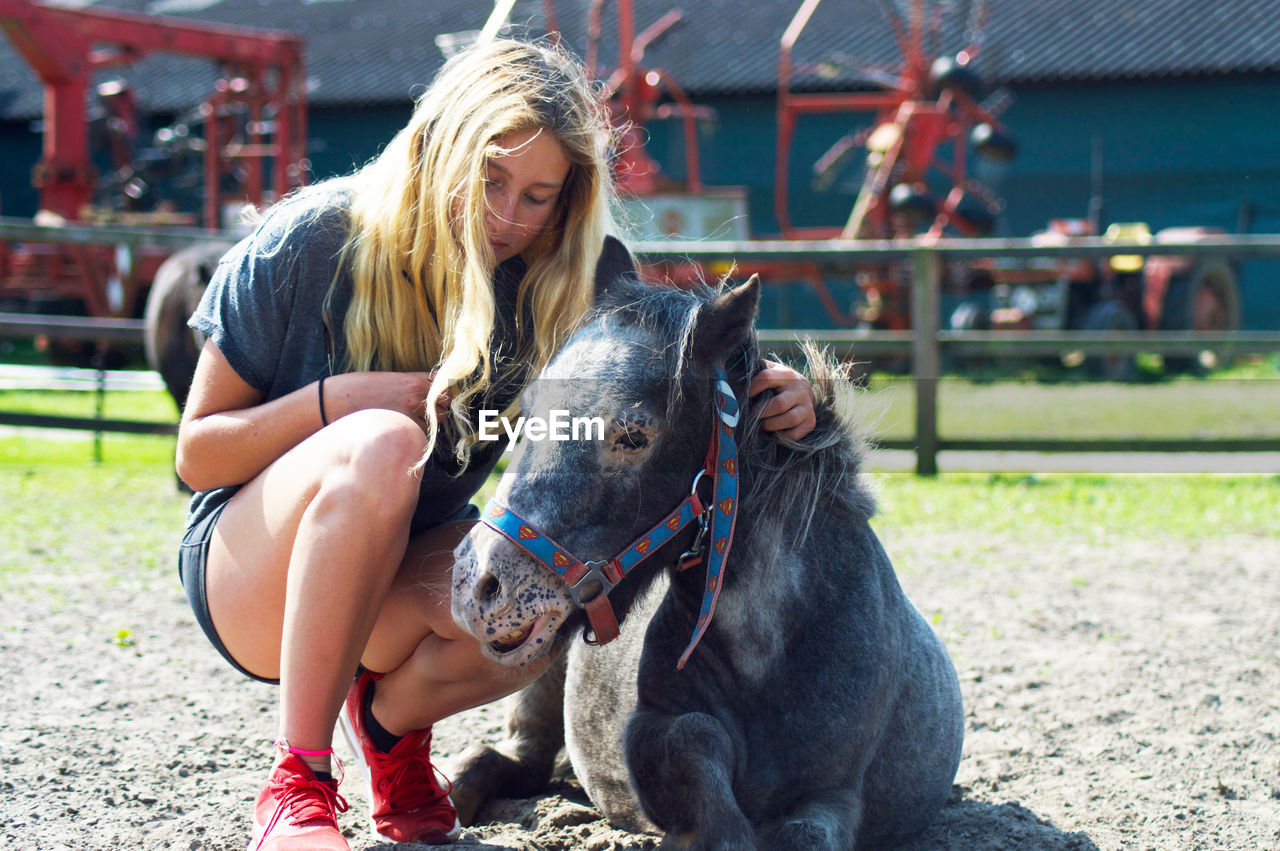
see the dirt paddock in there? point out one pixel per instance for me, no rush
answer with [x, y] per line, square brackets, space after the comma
[1121, 694]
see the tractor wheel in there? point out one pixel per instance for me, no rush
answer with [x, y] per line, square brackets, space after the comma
[947, 73]
[1205, 298]
[1111, 316]
[172, 347]
[993, 144]
[974, 217]
[914, 203]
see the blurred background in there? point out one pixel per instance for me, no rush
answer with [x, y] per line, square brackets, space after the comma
[1142, 122]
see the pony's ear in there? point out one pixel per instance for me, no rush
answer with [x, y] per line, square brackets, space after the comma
[725, 322]
[615, 264]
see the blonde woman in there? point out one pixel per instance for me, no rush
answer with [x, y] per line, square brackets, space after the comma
[329, 433]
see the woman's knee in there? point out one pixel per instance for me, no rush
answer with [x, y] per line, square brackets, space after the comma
[378, 436]
[374, 454]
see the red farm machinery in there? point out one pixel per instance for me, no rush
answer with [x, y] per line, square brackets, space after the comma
[638, 94]
[246, 143]
[928, 125]
[920, 124]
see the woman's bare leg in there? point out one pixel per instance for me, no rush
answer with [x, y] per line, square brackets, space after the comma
[310, 571]
[433, 668]
[302, 558]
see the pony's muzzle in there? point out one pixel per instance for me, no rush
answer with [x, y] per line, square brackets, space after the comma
[495, 585]
[506, 599]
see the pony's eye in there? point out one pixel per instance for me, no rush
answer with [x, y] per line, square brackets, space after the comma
[633, 438]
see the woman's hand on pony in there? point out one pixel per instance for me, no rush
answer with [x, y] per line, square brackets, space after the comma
[790, 411]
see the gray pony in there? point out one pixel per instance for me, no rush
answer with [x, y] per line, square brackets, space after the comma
[818, 710]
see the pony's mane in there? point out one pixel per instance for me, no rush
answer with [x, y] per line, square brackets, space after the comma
[787, 480]
[790, 479]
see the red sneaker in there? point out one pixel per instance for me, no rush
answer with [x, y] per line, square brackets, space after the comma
[407, 802]
[295, 811]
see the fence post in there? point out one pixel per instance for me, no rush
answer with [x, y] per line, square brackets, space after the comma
[925, 362]
[100, 401]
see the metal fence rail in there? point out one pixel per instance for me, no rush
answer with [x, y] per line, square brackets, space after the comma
[845, 343]
[24, 230]
[87, 329]
[96, 381]
[95, 423]
[870, 251]
[83, 329]
[90, 329]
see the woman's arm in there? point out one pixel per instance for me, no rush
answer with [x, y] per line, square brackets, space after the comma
[228, 435]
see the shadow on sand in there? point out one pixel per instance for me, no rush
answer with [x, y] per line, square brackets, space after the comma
[965, 824]
[973, 825]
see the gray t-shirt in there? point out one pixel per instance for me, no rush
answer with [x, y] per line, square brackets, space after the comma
[264, 307]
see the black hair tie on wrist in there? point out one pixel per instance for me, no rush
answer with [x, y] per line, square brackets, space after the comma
[323, 419]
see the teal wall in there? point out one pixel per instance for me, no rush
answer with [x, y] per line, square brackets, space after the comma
[1178, 153]
[19, 151]
[342, 140]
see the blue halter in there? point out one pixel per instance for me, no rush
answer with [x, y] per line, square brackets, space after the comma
[591, 581]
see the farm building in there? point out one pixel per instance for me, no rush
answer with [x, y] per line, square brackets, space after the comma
[1176, 102]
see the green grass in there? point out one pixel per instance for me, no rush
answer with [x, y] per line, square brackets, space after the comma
[1242, 401]
[75, 449]
[1257, 366]
[1089, 506]
[50, 482]
[64, 447]
[1181, 408]
[61, 508]
[82, 522]
[1150, 369]
[149, 405]
[1243, 404]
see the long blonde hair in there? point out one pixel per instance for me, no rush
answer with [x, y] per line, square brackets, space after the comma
[421, 264]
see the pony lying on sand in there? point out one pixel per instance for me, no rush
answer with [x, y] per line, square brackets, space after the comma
[773, 687]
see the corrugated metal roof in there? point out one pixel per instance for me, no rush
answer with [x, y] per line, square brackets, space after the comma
[370, 51]
[727, 46]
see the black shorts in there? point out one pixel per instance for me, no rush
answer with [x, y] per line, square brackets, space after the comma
[193, 556]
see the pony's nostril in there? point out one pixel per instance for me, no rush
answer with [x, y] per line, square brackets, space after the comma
[488, 588]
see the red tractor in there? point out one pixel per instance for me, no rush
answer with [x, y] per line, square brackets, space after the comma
[1125, 292]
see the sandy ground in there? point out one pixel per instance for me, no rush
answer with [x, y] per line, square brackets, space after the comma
[1120, 694]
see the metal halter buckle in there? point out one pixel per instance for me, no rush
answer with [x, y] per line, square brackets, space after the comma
[595, 573]
[698, 548]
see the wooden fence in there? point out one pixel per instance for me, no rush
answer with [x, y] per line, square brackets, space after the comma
[925, 343]
[86, 329]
